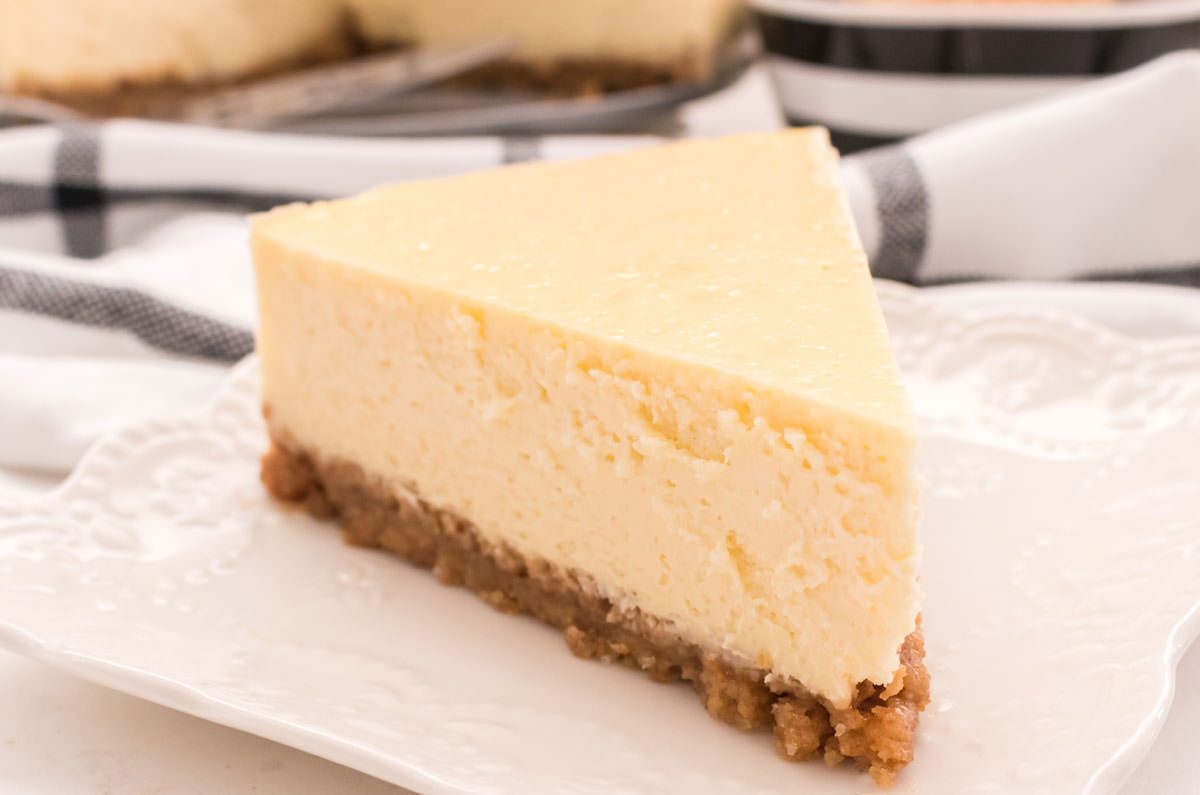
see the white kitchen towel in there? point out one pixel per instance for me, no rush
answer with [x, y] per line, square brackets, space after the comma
[125, 283]
[1102, 182]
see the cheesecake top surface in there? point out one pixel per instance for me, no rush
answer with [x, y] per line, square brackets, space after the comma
[737, 254]
[647, 30]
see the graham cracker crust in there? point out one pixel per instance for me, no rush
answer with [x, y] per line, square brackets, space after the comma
[876, 731]
[578, 77]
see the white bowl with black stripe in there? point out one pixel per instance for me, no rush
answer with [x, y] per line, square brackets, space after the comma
[876, 72]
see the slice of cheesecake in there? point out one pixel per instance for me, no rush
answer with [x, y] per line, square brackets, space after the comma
[575, 47]
[648, 398]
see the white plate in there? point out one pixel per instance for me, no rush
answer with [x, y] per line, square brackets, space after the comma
[1062, 575]
[1145, 311]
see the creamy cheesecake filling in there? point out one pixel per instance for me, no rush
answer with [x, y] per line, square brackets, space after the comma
[642, 31]
[714, 503]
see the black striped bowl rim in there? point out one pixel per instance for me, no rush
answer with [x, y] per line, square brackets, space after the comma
[875, 72]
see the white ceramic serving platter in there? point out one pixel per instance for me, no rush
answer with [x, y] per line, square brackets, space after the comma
[1062, 579]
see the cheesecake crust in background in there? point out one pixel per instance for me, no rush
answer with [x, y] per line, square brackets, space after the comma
[167, 98]
[876, 731]
[580, 77]
[571, 77]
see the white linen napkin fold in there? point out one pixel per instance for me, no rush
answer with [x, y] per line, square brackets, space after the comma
[126, 289]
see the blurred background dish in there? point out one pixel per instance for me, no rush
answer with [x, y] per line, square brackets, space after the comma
[873, 72]
[876, 72]
[254, 65]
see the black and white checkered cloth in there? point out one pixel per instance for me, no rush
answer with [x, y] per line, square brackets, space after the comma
[122, 244]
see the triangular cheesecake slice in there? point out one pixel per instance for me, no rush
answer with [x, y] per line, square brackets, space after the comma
[648, 398]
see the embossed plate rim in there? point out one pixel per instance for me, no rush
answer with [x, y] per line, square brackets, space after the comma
[983, 301]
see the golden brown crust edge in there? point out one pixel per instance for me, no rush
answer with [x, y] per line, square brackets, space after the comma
[581, 77]
[876, 731]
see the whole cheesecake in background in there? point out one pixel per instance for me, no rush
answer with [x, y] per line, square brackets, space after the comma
[574, 47]
[148, 57]
[138, 57]
[648, 398]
